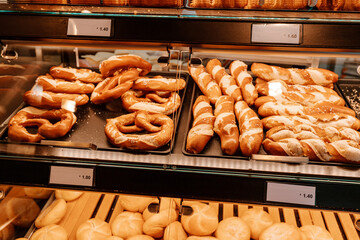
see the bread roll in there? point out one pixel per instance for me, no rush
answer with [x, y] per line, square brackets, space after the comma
[21, 239]
[127, 224]
[202, 222]
[135, 203]
[258, 220]
[140, 237]
[175, 231]
[68, 195]
[201, 238]
[7, 232]
[50, 232]
[113, 238]
[313, 232]
[22, 210]
[52, 214]
[281, 231]
[38, 193]
[93, 229]
[233, 228]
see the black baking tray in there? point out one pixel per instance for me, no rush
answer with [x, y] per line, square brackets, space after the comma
[88, 131]
[350, 89]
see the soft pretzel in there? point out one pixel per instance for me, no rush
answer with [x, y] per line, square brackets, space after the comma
[113, 87]
[225, 125]
[46, 99]
[309, 76]
[159, 83]
[291, 108]
[31, 116]
[74, 74]
[251, 130]
[332, 120]
[117, 130]
[134, 101]
[118, 62]
[202, 127]
[226, 82]
[244, 80]
[206, 83]
[61, 86]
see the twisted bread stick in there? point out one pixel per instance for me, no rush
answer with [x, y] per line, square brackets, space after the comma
[202, 127]
[225, 125]
[251, 130]
[310, 76]
[244, 80]
[226, 82]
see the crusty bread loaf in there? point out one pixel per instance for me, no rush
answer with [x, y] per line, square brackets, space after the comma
[175, 231]
[52, 214]
[93, 229]
[50, 232]
[134, 203]
[233, 228]
[127, 224]
[281, 231]
[67, 195]
[22, 210]
[258, 220]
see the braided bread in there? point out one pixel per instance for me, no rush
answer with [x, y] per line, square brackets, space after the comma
[226, 82]
[251, 130]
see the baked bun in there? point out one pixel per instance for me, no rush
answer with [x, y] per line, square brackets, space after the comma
[175, 231]
[140, 237]
[201, 238]
[38, 193]
[67, 195]
[7, 232]
[52, 214]
[127, 224]
[281, 231]
[165, 203]
[21, 239]
[203, 220]
[135, 203]
[258, 220]
[233, 228]
[313, 232]
[113, 238]
[50, 232]
[22, 210]
[93, 229]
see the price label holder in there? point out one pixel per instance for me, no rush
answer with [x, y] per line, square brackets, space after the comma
[89, 27]
[281, 33]
[291, 193]
[76, 176]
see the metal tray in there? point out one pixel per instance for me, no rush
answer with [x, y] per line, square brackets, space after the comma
[350, 89]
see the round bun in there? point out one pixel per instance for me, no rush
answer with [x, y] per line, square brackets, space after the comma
[140, 237]
[23, 210]
[201, 238]
[281, 231]
[313, 232]
[232, 228]
[52, 214]
[67, 195]
[134, 203]
[258, 220]
[38, 193]
[8, 232]
[175, 231]
[202, 222]
[127, 224]
[50, 232]
[113, 238]
[93, 229]
[21, 239]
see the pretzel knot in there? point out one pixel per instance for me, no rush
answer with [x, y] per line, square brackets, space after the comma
[31, 117]
[127, 131]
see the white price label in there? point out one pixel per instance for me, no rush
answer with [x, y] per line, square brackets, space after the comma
[89, 27]
[72, 176]
[291, 193]
[276, 33]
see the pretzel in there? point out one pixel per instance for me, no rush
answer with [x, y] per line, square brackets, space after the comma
[46, 99]
[331, 120]
[225, 125]
[159, 83]
[117, 130]
[134, 101]
[118, 62]
[226, 82]
[291, 108]
[202, 127]
[244, 80]
[309, 76]
[61, 86]
[113, 87]
[251, 130]
[206, 83]
[31, 116]
[74, 74]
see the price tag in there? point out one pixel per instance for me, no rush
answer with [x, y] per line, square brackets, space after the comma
[276, 33]
[72, 176]
[89, 27]
[291, 193]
